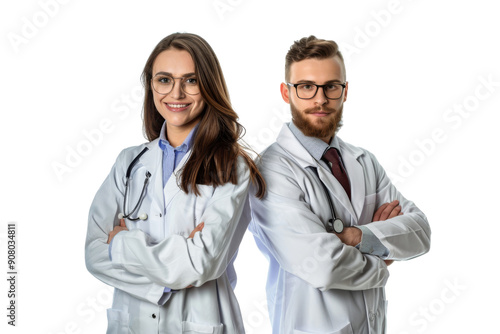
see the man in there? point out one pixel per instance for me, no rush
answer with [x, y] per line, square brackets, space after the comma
[327, 245]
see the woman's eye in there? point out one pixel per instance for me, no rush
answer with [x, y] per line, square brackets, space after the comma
[191, 81]
[165, 80]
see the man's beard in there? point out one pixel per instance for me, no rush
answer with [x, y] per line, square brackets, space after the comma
[323, 126]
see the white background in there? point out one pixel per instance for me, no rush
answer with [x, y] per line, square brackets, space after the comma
[71, 68]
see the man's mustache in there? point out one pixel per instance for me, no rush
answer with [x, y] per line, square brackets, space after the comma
[319, 109]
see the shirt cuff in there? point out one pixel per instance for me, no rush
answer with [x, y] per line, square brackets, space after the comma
[167, 293]
[370, 244]
[109, 249]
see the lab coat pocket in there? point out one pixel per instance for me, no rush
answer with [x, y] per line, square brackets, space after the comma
[117, 321]
[195, 328]
[347, 329]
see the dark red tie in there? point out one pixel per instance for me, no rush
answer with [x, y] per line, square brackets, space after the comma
[338, 169]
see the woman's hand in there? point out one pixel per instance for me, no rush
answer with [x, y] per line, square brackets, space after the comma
[119, 228]
[198, 228]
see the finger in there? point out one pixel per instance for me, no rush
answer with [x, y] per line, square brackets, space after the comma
[388, 262]
[376, 216]
[388, 209]
[395, 212]
[198, 228]
[401, 213]
[122, 223]
[115, 231]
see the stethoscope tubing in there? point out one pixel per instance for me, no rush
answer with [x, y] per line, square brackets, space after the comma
[141, 198]
[331, 221]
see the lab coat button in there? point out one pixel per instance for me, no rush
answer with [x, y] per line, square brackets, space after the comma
[153, 316]
[372, 316]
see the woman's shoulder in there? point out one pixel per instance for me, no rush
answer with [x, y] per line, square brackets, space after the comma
[128, 154]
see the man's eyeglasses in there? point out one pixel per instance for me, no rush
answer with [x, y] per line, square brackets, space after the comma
[306, 91]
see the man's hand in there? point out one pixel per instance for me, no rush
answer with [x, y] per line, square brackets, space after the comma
[387, 211]
[119, 228]
[350, 236]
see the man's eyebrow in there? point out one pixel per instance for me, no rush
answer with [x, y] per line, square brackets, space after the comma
[306, 81]
[334, 81]
[314, 82]
[185, 75]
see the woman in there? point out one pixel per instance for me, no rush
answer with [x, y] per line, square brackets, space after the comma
[165, 225]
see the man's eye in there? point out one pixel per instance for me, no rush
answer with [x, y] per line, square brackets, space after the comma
[306, 87]
[332, 87]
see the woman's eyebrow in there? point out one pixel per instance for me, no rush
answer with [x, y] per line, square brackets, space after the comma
[186, 75]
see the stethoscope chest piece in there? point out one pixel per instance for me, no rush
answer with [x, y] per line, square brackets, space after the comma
[334, 224]
[338, 225]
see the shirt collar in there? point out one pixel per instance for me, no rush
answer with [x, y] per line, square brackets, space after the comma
[315, 146]
[184, 147]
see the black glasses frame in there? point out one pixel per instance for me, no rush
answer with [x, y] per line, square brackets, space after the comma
[317, 87]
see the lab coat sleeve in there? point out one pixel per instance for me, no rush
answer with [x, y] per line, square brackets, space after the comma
[102, 219]
[292, 233]
[178, 262]
[406, 236]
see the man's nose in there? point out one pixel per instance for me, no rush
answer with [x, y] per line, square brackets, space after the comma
[320, 97]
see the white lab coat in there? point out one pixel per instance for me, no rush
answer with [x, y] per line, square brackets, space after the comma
[153, 255]
[317, 284]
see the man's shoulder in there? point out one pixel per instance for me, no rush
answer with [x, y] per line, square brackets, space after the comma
[272, 153]
[279, 158]
[354, 150]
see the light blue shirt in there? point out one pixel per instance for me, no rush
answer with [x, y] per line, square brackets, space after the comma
[370, 244]
[173, 155]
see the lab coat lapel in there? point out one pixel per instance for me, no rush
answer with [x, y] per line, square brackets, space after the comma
[172, 188]
[356, 176]
[152, 160]
[154, 163]
[334, 186]
[287, 140]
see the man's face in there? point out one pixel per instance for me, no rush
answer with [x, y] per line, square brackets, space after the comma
[317, 117]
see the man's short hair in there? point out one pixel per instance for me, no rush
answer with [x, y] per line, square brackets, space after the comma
[311, 47]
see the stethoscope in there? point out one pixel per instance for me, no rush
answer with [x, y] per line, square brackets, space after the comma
[334, 224]
[142, 216]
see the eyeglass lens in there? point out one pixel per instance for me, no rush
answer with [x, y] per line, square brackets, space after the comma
[307, 91]
[163, 84]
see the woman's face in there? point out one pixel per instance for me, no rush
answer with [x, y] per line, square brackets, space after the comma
[180, 110]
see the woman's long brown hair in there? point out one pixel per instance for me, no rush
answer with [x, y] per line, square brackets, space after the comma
[213, 159]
